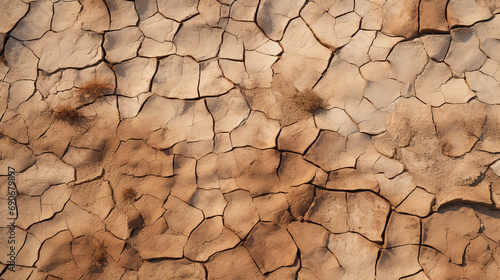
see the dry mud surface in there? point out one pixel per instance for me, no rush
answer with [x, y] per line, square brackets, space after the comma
[196, 162]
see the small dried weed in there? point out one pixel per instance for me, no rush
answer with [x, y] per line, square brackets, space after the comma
[129, 194]
[67, 114]
[307, 101]
[94, 89]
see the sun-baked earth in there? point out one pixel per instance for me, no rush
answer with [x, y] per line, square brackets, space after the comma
[251, 139]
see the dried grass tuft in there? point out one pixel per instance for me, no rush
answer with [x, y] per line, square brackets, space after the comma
[94, 89]
[129, 194]
[99, 256]
[307, 101]
[67, 114]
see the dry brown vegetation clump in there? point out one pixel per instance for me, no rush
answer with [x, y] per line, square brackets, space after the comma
[307, 101]
[67, 114]
[129, 194]
[94, 89]
[99, 256]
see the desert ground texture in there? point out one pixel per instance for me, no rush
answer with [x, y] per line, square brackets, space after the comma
[250, 139]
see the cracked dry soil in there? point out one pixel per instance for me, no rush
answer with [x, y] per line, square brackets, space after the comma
[194, 158]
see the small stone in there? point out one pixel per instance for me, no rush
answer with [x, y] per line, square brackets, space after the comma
[271, 247]
[122, 44]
